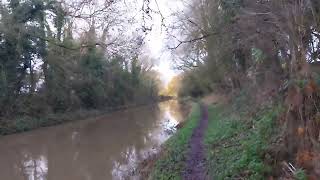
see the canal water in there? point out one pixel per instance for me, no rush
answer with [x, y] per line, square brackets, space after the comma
[101, 148]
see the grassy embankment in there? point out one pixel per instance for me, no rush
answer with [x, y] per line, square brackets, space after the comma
[237, 145]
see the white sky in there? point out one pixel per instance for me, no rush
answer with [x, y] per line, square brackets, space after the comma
[156, 41]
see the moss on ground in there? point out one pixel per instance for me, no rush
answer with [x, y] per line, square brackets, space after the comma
[172, 163]
[236, 146]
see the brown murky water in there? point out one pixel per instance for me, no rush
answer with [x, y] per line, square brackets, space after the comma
[103, 148]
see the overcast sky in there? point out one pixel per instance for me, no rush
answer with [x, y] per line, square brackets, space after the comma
[156, 40]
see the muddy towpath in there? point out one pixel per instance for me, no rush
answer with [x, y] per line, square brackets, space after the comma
[195, 164]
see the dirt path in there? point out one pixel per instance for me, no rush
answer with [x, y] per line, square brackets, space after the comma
[196, 169]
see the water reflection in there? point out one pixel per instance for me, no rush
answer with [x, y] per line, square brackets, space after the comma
[152, 140]
[107, 147]
[35, 169]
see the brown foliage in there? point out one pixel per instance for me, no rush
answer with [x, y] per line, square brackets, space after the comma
[294, 98]
[304, 159]
[310, 161]
[303, 128]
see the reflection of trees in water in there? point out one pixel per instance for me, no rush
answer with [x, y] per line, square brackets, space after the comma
[129, 158]
[175, 108]
[147, 126]
[35, 168]
[169, 116]
[87, 149]
[100, 142]
[23, 164]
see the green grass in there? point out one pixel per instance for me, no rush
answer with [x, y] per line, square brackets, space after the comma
[300, 175]
[236, 147]
[172, 163]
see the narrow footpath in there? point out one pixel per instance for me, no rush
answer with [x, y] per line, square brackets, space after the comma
[196, 167]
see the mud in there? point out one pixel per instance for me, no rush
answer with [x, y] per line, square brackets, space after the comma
[195, 164]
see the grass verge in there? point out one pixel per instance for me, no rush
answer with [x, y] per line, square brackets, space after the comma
[237, 146]
[172, 163]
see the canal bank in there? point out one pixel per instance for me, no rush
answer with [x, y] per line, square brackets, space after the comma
[169, 163]
[219, 141]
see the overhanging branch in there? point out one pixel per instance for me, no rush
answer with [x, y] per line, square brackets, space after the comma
[191, 40]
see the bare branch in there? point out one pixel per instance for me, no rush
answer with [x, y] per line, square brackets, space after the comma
[191, 40]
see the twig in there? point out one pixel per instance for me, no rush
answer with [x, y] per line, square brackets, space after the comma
[191, 40]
